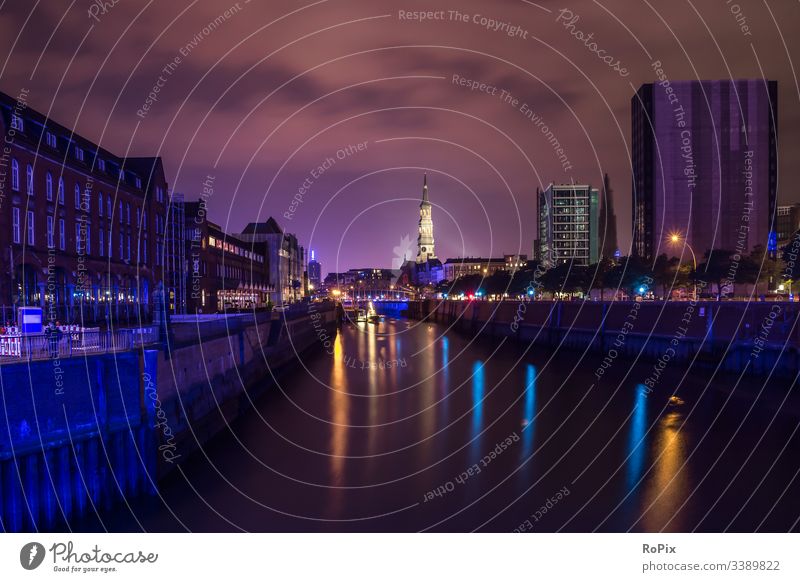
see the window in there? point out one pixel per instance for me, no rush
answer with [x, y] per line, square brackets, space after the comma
[78, 238]
[79, 153]
[128, 213]
[51, 140]
[138, 217]
[101, 164]
[128, 249]
[121, 246]
[15, 224]
[31, 230]
[100, 203]
[17, 122]
[62, 235]
[61, 191]
[49, 186]
[159, 194]
[110, 244]
[109, 206]
[138, 182]
[100, 243]
[121, 175]
[120, 211]
[144, 249]
[51, 235]
[77, 196]
[14, 175]
[88, 235]
[29, 180]
[144, 221]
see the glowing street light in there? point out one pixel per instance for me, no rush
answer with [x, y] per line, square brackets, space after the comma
[676, 238]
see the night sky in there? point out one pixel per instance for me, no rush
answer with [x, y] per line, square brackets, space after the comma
[274, 90]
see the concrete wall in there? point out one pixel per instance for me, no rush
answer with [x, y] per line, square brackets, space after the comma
[761, 336]
[77, 438]
[85, 433]
[213, 371]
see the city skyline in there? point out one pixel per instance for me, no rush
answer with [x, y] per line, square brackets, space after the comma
[378, 181]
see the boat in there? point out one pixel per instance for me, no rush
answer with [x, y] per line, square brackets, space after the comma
[676, 401]
[372, 316]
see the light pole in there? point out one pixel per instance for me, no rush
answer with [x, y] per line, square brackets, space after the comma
[676, 238]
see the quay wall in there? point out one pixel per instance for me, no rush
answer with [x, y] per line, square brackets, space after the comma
[87, 432]
[758, 337]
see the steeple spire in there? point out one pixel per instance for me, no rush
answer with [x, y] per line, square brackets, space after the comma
[425, 238]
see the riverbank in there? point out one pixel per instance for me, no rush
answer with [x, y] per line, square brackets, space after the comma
[85, 433]
[754, 338]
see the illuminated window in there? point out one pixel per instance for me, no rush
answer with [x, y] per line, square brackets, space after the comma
[15, 224]
[29, 180]
[14, 175]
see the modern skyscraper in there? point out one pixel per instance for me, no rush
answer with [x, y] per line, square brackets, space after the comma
[607, 223]
[425, 239]
[704, 165]
[787, 222]
[568, 224]
[314, 271]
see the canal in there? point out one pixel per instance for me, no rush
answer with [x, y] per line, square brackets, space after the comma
[407, 426]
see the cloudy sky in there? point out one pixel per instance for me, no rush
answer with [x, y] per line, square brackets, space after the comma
[273, 98]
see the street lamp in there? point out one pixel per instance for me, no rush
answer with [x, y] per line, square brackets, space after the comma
[675, 238]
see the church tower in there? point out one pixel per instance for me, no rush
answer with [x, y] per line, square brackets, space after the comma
[425, 238]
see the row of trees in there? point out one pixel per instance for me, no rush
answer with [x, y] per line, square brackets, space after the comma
[634, 276]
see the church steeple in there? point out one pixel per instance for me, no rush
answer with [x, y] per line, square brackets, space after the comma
[425, 238]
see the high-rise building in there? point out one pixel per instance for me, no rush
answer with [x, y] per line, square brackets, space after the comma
[704, 165]
[607, 223]
[425, 239]
[314, 272]
[568, 224]
[787, 222]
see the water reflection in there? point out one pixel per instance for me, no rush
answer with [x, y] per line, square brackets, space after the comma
[444, 401]
[637, 448]
[340, 418]
[668, 485]
[478, 392]
[529, 411]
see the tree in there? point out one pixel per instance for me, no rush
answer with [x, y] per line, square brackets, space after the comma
[599, 272]
[567, 277]
[716, 269]
[665, 273]
[789, 254]
[629, 274]
[770, 269]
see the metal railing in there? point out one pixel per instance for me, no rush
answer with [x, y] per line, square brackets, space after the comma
[70, 343]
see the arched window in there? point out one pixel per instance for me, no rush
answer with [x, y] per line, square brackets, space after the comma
[49, 187]
[109, 206]
[14, 175]
[100, 203]
[61, 191]
[77, 196]
[29, 180]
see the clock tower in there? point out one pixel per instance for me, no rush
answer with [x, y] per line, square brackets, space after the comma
[425, 238]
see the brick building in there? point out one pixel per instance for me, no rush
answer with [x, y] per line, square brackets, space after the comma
[225, 272]
[81, 229]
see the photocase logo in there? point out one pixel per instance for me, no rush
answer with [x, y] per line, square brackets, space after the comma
[31, 555]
